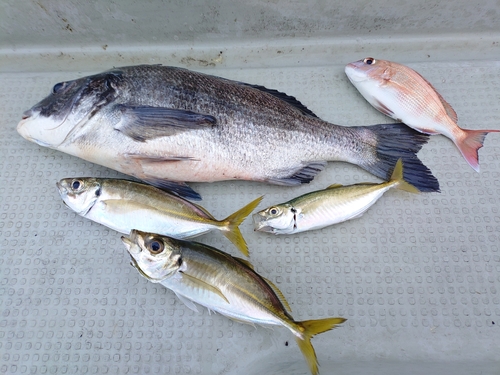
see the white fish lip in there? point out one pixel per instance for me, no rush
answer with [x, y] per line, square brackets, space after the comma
[355, 74]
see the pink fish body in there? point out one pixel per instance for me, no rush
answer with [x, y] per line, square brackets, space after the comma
[403, 94]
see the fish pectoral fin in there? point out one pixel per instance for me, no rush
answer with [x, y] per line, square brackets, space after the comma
[142, 123]
[383, 108]
[194, 282]
[190, 304]
[279, 294]
[302, 176]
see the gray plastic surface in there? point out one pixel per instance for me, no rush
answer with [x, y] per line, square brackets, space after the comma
[417, 276]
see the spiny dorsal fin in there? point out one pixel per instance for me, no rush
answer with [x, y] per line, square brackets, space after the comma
[286, 98]
[279, 294]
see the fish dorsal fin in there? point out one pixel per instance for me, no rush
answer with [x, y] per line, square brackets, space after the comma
[190, 304]
[447, 106]
[194, 282]
[245, 262]
[286, 98]
[279, 294]
[335, 186]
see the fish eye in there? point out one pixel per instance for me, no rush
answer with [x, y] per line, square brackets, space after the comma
[76, 185]
[274, 210]
[155, 246]
[57, 87]
[369, 61]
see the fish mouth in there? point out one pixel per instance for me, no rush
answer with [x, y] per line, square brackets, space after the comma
[353, 72]
[260, 224]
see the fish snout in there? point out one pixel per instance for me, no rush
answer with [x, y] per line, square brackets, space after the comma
[260, 222]
[62, 189]
[355, 71]
[27, 114]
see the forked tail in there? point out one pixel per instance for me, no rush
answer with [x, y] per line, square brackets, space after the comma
[230, 225]
[397, 176]
[310, 328]
[470, 144]
[387, 144]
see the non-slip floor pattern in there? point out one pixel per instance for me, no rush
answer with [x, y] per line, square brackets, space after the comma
[417, 276]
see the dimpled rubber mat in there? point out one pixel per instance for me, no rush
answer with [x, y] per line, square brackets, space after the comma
[417, 276]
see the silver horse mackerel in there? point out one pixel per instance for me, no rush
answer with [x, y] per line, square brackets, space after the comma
[168, 126]
[322, 208]
[125, 205]
[222, 283]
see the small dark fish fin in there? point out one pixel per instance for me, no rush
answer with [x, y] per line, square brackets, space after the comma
[286, 98]
[302, 176]
[278, 293]
[392, 142]
[197, 283]
[179, 188]
[447, 106]
[144, 122]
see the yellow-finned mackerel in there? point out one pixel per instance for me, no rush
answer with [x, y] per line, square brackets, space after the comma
[167, 126]
[125, 205]
[222, 283]
[322, 208]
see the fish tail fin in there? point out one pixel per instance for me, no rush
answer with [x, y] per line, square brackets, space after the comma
[470, 144]
[308, 329]
[386, 143]
[230, 225]
[397, 176]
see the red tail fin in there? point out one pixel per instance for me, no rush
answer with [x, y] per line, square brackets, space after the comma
[471, 143]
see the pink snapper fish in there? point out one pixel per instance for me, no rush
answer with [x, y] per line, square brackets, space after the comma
[403, 94]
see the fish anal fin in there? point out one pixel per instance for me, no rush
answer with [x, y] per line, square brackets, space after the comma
[142, 123]
[180, 188]
[279, 294]
[303, 175]
[194, 282]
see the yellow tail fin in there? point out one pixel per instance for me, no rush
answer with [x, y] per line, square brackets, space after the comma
[397, 176]
[310, 328]
[230, 225]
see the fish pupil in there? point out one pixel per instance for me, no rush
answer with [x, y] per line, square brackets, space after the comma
[155, 246]
[75, 185]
